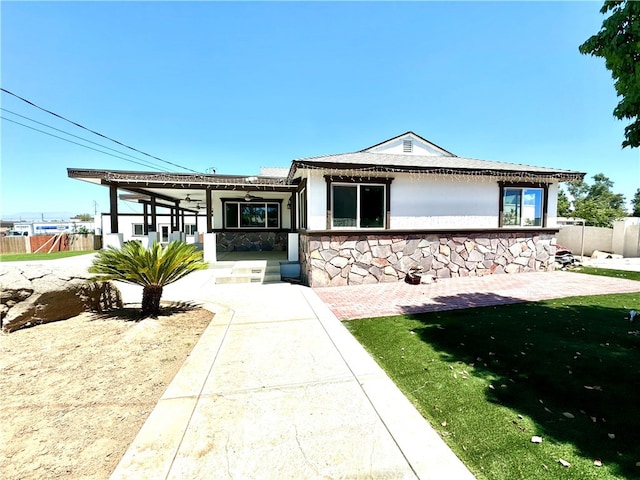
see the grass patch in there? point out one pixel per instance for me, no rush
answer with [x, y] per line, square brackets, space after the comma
[22, 257]
[606, 272]
[488, 379]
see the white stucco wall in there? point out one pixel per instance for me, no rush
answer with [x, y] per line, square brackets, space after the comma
[552, 208]
[439, 202]
[397, 147]
[317, 201]
[423, 202]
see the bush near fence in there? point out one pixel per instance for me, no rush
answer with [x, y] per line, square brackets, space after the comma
[68, 242]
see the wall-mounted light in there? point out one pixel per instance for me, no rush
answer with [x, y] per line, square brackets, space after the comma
[289, 204]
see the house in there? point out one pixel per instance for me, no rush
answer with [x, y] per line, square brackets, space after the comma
[367, 216]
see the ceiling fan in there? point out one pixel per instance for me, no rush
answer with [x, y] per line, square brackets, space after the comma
[188, 199]
[248, 197]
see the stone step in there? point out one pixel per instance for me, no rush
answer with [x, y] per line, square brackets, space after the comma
[254, 271]
[238, 278]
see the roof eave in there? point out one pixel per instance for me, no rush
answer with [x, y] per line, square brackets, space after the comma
[558, 175]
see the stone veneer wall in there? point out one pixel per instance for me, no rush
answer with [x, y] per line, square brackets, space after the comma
[252, 241]
[333, 260]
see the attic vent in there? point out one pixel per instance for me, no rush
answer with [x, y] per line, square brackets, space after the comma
[407, 146]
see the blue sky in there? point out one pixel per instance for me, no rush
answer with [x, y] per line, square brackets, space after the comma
[236, 86]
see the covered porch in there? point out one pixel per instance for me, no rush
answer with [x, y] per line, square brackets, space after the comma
[245, 225]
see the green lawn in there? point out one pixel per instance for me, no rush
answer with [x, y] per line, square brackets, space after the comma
[21, 257]
[488, 379]
[605, 272]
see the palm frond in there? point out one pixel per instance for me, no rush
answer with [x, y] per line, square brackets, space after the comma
[157, 265]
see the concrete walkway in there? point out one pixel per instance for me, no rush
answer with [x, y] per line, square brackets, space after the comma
[276, 388]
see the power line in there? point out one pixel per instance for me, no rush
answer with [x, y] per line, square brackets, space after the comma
[76, 136]
[76, 143]
[94, 132]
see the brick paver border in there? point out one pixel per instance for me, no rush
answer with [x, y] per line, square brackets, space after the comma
[384, 299]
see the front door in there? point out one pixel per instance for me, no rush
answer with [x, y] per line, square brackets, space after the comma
[164, 233]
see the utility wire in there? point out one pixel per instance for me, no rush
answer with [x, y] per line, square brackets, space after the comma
[76, 143]
[76, 136]
[94, 132]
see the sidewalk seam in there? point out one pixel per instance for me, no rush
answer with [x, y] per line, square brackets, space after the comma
[355, 377]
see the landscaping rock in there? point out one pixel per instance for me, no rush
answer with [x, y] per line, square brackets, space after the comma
[36, 294]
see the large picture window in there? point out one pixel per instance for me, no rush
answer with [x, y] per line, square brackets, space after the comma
[522, 207]
[252, 215]
[358, 205]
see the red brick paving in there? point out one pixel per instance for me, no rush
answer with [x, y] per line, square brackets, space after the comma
[360, 301]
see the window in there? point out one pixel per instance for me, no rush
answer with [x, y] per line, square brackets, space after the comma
[302, 208]
[522, 207]
[358, 206]
[190, 228]
[407, 146]
[251, 215]
[138, 229]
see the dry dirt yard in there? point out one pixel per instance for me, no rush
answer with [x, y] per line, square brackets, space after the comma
[75, 393]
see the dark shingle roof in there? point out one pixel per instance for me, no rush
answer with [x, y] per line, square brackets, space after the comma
[386, 162]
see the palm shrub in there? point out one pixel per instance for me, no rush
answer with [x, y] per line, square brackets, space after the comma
[151, 268]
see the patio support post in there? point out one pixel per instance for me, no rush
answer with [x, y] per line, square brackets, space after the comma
[175, 215]
[292, 212]
[209, 207]
[145, 218]
[113, 207]
[154, 226]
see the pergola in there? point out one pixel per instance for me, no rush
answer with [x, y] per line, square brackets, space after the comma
[181, 193]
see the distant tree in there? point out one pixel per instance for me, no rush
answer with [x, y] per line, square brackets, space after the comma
[596, 204]
[635, 204]
[564, 205]
[618, 42]
[84, 217]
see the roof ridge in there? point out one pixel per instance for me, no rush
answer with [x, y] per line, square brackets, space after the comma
[409, 132]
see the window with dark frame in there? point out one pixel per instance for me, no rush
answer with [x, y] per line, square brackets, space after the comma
[302, 209]
[358, 205]
[138, 229]
[251, 214]
[523, 206]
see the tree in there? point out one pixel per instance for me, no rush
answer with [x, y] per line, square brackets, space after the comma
[635, 204]
[596, 204]
[564, 205]
[618, 42]
[151, 268]
[84, 217]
